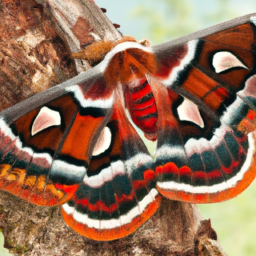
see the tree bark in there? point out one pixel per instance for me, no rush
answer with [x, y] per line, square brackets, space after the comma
[36, 39]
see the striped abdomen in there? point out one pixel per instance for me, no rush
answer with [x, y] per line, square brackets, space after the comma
[142, 107]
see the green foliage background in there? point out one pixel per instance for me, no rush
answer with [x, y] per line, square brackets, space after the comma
[162, 20]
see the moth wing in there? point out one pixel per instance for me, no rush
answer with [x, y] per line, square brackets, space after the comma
[118, 193]
[205, 93]
[45, 141]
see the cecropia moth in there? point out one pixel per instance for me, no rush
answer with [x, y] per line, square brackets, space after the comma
[75, 145]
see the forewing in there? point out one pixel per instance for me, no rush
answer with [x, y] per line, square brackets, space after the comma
[205, 94]
[45, 141]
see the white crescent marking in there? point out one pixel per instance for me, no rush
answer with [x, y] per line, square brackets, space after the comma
[188, 111]
[45, 119]
[226, 60]
[103, 142]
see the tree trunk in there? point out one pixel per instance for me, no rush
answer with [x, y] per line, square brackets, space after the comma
[36, 40]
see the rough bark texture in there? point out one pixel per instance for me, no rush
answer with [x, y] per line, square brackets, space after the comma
[36, 39]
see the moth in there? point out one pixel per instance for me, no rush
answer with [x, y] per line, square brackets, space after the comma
[76, 145]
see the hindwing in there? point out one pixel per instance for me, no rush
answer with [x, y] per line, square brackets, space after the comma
[118, 192]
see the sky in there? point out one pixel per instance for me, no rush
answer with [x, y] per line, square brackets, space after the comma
[122, 12]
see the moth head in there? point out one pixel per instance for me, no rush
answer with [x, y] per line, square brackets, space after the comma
[128, 62]
[95, 52]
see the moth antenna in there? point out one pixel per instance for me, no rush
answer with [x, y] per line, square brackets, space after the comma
[145, 42]
[116, 25]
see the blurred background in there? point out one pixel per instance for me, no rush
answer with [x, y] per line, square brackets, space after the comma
[163, 20]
